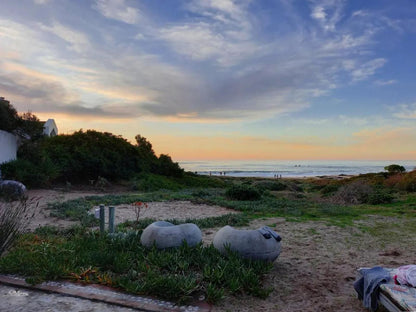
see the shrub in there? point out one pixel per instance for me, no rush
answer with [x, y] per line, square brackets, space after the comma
[394, 168]
[270, 185]
[408, 182]
[30, 173]
[85, 156]
[243, 192]
[154, 182]
[330, 189]
[360, 192]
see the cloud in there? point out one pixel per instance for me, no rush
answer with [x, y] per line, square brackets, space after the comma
[406, 111]
[41, 1]
[327, 13]
[385, 82]
[200, 42]
[118, 10]
[367, 69]
[78, 41]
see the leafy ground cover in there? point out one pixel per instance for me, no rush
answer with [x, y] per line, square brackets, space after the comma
[121, 261]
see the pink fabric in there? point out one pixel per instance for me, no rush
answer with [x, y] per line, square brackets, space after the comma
[406, 275]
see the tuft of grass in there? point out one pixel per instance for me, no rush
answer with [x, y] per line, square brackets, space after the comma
[14, 217]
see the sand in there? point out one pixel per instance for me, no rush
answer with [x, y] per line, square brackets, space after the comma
[317, 266]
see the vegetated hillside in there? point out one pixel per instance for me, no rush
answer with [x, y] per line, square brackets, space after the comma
[79, 157]
[84, 156]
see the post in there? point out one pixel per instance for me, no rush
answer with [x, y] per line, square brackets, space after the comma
[111, 211]
[102, 218]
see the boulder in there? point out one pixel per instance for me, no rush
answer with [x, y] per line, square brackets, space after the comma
[164, 234]
[261, 244]
[12, 190]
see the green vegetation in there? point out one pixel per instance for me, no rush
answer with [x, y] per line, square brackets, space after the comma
[121, 261]
[394, 168]
[83, 157]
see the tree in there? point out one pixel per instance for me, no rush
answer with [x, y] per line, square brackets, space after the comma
[394, 168]
[30, 125]
[144, 145]
[9, 119]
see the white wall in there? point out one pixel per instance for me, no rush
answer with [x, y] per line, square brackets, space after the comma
[8, 146]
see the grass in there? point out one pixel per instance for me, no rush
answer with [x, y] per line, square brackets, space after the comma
[180, 274]
[304, 203]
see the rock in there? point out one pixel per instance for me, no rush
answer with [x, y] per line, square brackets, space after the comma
[164, 234]
[12, 190]
[261, 244]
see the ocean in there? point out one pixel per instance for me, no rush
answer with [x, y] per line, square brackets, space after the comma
[292, 169]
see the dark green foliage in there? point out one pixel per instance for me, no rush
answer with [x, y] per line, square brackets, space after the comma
[167, 167]
[243, 192]
[27, 125]
[394, 168]
[85, 156]
[30, 125]
[330, 189]
[28, 173]
[270, 185]
[121, 261]
[9, 119]
[153, 182]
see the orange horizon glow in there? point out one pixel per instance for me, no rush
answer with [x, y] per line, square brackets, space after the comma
[379, 144]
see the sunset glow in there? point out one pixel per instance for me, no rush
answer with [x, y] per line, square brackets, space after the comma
[220, 79]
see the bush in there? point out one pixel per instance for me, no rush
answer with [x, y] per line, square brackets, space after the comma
[85, 156]
[408, 182]
[30, 173]
[359, 192]
[394, 169]
[154, 182]
[270, 185]
[243, 192]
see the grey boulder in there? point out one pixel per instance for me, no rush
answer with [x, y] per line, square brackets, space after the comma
[164, 234]
[261, 244]
[13, 190]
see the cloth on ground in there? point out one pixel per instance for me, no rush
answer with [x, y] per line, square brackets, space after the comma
[368, 285]
[406, 275]
[269, 233]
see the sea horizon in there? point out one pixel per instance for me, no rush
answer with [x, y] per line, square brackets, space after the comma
[290, 168]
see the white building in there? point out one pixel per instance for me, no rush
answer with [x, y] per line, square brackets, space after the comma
[49, 128]
[9, 143]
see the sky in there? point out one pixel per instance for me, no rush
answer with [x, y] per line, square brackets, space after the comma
[220, 79]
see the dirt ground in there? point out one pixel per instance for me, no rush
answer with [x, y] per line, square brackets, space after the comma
[317, 266]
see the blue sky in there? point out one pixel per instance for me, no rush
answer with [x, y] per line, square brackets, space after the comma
[220, 79]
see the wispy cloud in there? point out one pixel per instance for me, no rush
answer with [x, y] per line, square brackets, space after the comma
[78, 41]
[406, 111]
[118, 10]
[385, 82]
[367, 69]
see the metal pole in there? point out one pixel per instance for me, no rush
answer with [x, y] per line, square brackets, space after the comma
[111, 212]
[102, 218]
